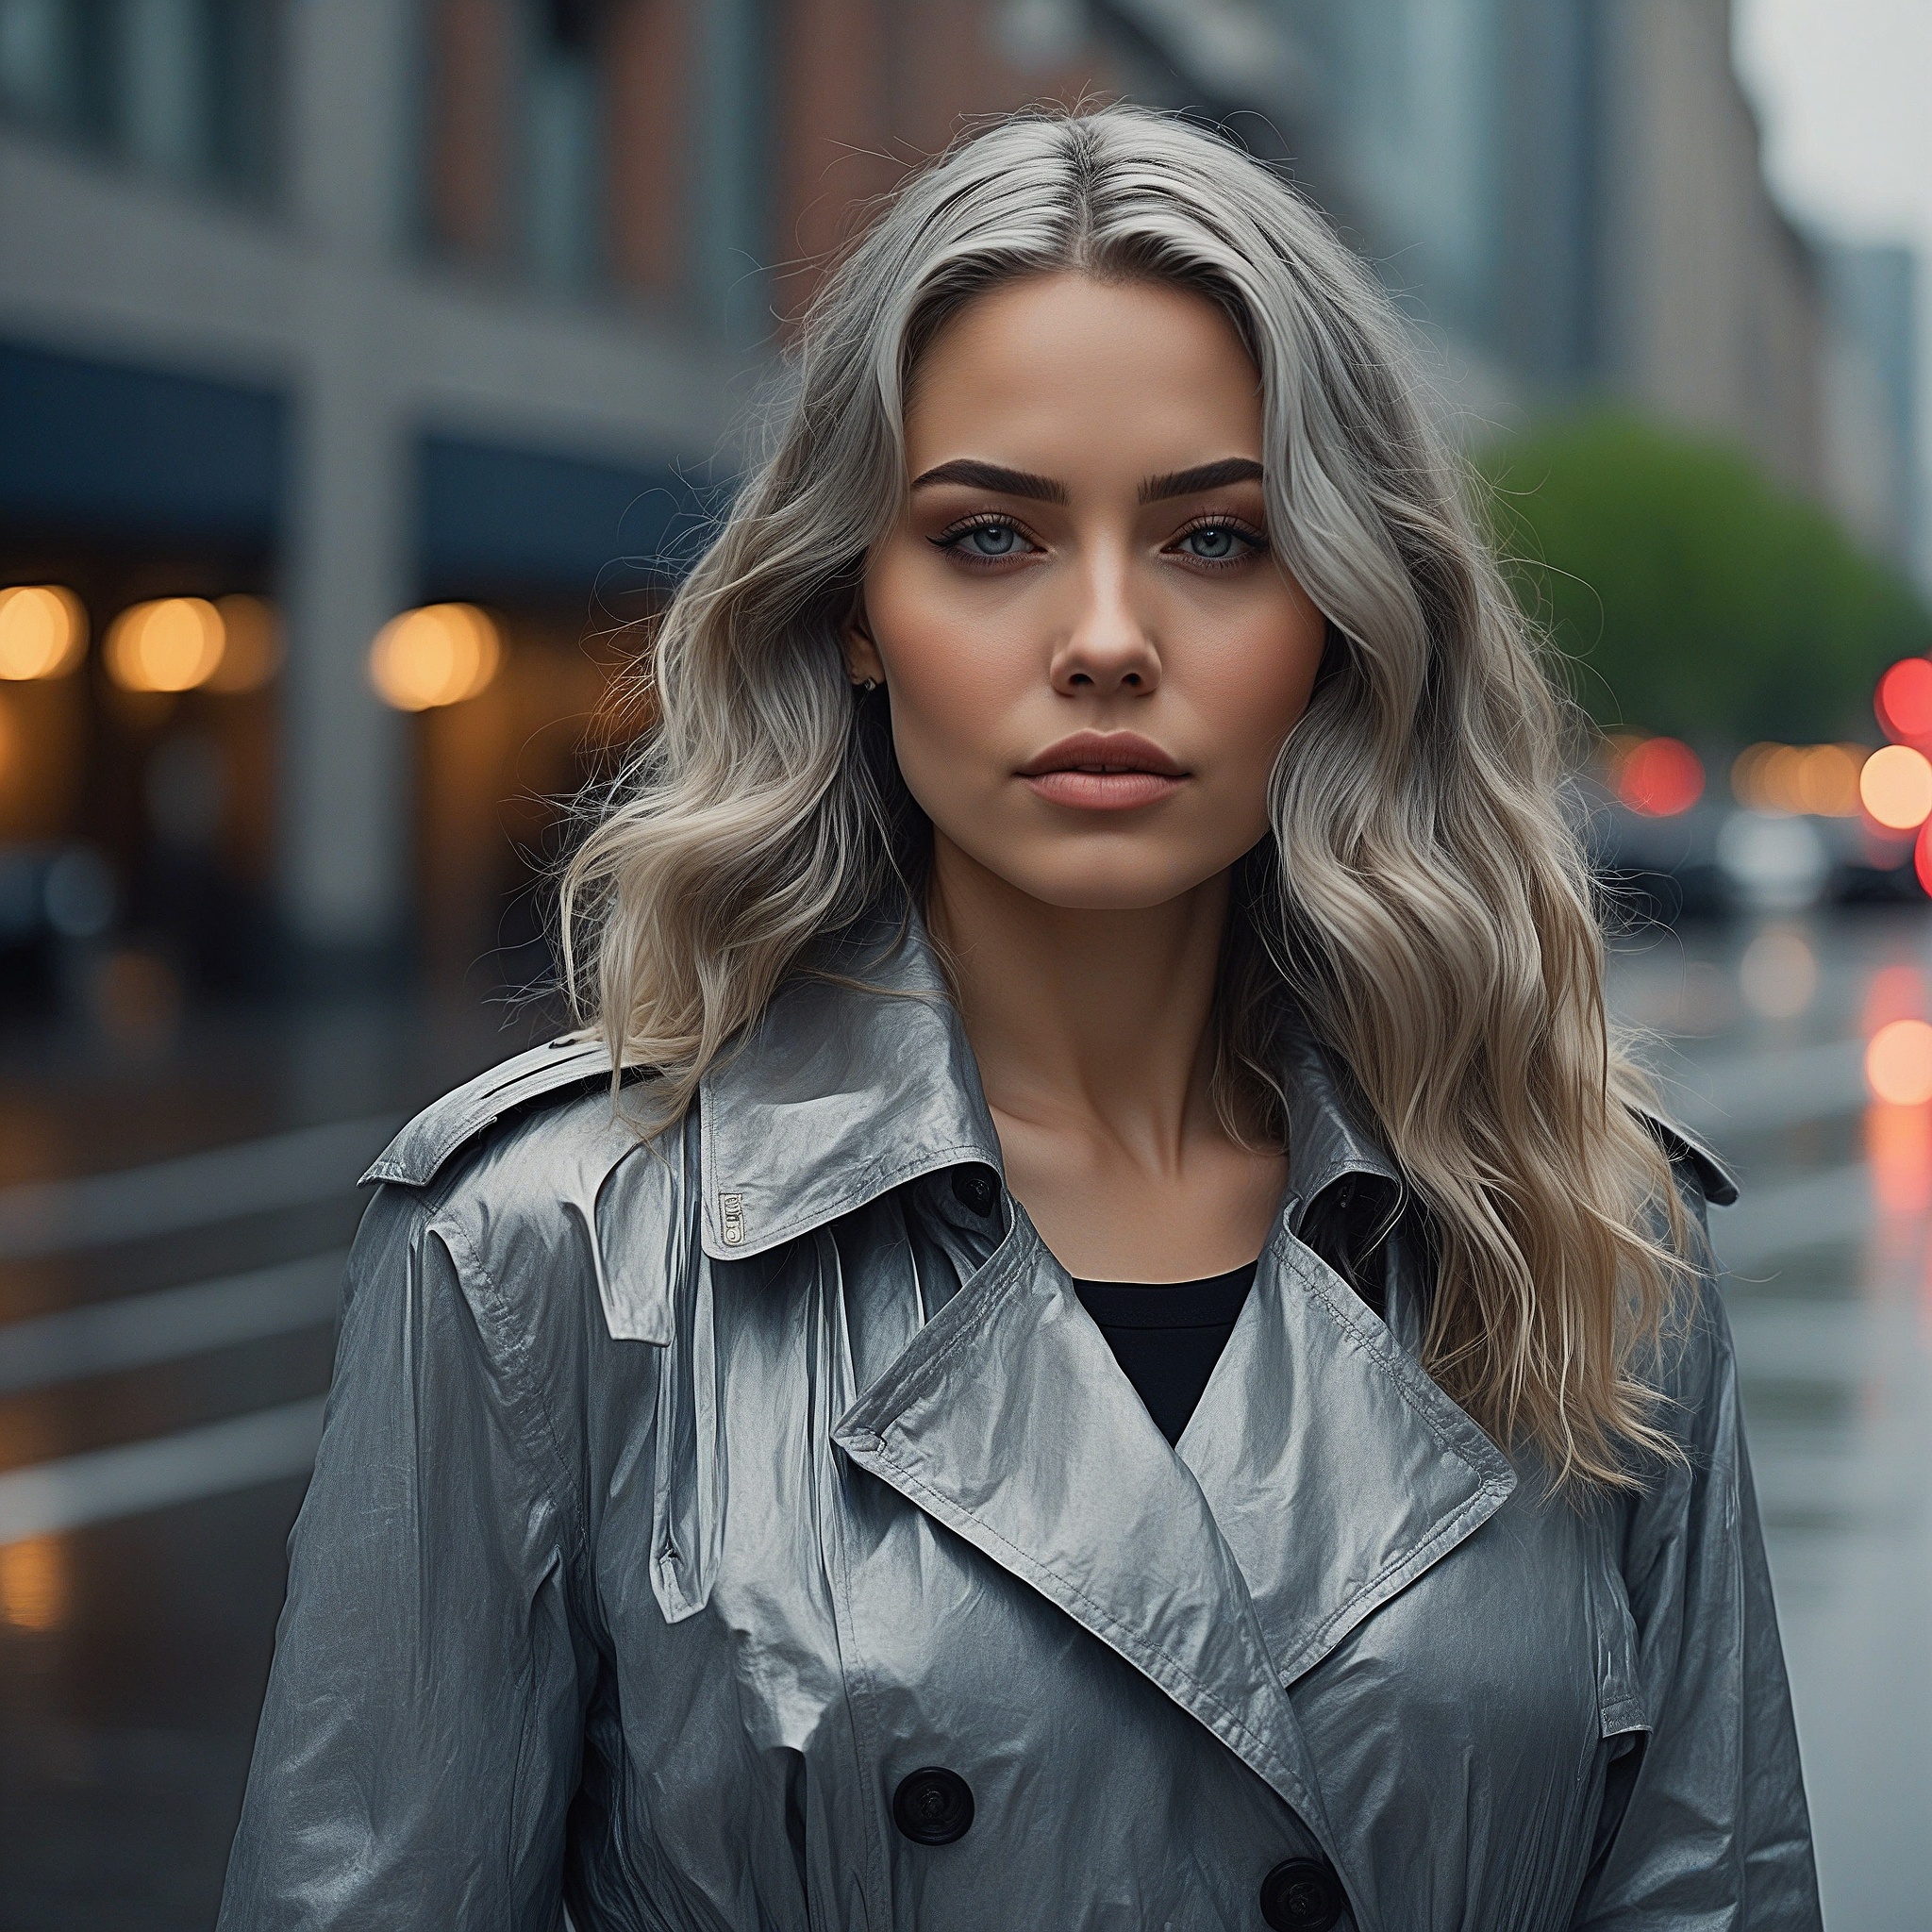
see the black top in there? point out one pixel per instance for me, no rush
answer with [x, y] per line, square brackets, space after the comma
[1168, 1337]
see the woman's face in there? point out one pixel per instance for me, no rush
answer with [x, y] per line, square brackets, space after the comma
[1094, 655]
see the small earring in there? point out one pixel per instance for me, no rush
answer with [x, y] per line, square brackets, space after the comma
[868, 684]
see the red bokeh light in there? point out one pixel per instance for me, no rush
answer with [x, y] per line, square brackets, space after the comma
[1922, 856]
[1894, 992]
[1662, 776]
[1904, 701]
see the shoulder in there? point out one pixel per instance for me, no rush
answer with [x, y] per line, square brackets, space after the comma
[534, 1174]
[545, 1079]
[1689, 1159]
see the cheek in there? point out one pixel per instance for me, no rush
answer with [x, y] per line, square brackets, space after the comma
[1249, 695]
[954, 677]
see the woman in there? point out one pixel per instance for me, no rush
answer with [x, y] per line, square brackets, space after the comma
[1124, 1356]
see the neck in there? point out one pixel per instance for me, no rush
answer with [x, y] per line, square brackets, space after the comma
[1090, 1022]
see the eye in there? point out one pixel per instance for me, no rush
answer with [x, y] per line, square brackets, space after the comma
[988, 540]
[1217, 543]
[991, 539]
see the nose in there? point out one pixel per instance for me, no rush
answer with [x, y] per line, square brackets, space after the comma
[1109, 648]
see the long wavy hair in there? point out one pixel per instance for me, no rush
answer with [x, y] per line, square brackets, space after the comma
[1422, 903]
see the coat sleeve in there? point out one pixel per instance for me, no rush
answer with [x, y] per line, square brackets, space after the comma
[419, 1745]
[1713, 1831]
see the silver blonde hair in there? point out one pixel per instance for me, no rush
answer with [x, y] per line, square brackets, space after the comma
[1421, 903]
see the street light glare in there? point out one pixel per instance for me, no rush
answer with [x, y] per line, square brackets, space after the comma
[171, 644]
[1895, 788]
[42, 631]
[1904, 701]
[436, 655]
[1898, 1064]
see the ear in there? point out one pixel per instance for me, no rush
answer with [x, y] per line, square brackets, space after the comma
[862, 660]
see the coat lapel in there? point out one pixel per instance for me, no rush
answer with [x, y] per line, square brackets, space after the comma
[1323, 1473]
[1008, 1421]
[1337, 1471]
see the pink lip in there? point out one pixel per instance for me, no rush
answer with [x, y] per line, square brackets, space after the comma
[1095, 770]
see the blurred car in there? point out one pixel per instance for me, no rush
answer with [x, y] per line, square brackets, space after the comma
[1716, 859]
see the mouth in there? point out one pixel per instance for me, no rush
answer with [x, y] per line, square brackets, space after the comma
[1095, 770]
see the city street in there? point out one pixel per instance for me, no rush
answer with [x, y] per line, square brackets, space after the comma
[1762, 1034]
[171, 1239]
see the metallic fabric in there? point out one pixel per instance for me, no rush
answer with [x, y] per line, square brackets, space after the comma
[682, 1502]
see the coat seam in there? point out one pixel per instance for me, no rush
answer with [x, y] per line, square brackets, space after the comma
[1362, 1345]
[875, 1182]
[1415, 1560]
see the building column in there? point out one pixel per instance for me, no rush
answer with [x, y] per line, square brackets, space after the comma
[733, 211]
[349, 530]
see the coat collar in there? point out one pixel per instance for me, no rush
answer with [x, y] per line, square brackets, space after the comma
[859, 1078]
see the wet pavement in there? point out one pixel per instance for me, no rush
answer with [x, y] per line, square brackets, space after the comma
[166, 1330]
[1763, 1032]
[165, 1337]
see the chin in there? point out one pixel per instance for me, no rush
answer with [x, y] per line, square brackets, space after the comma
[1120, 883]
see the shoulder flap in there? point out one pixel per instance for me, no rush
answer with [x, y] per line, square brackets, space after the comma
[1713, 1176]
[417, 1154]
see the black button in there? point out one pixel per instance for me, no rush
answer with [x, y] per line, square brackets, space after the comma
[975, 1188]
[1301, 1895]
[933, 1807]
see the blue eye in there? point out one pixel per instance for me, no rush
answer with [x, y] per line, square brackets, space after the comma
[991, 539]
[1215, 544]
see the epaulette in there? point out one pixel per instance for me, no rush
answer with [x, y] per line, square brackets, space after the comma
[418, 1154]
[1713, 1176]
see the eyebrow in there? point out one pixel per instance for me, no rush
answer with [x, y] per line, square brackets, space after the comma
[1203, 476]
[995, 476]
[975, 474]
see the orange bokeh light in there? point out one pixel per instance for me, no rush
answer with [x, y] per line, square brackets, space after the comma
[1904, 701]
[1898, 1062]
[438, 654]
[1819, 779]
[1898, 1143]
[35, 1584]
[1660, 778]
[1895, 787]
[173, 643]
[42, 631]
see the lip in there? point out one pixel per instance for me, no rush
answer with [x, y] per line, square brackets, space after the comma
[1103, 771]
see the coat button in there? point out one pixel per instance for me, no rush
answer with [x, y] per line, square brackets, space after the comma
[975, 1188]
[933, 1805]
[1301, 1895]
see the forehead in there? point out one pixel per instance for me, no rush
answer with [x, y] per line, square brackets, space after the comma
[1064, 371]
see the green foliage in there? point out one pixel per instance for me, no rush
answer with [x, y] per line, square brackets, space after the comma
[1690, 594]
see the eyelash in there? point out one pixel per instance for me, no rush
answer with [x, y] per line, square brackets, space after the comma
[1256, 541]
[951, 538]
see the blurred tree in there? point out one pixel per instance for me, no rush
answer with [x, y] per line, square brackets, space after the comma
[1690, 594]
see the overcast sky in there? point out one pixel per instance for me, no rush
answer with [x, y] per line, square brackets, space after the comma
[1845, 89]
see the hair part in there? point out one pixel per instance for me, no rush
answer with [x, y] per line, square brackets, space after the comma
[1422, 901]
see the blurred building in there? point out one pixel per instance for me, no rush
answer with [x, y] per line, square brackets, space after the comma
[322, 310]
[1569, 195]
[345, 307]
[1872, 397]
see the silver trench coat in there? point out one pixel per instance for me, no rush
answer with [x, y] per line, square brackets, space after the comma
[680, 1506]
